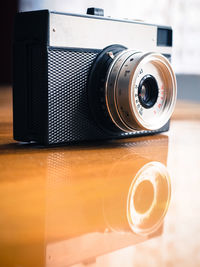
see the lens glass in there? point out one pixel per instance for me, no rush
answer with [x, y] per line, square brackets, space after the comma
[148, 91]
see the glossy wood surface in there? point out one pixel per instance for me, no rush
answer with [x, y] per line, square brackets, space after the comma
[69, 206]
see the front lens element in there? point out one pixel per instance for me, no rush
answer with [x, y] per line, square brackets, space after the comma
[148, 91]
[140, 91]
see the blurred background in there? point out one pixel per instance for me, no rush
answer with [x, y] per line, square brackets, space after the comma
[182, 15]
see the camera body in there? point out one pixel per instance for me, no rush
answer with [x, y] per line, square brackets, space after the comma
[56, 74]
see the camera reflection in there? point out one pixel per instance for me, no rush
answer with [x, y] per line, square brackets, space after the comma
[120, 202]
[83, 202]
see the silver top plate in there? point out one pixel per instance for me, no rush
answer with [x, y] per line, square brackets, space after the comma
[84, 32]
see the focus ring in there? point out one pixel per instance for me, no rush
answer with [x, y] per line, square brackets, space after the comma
[110, 92]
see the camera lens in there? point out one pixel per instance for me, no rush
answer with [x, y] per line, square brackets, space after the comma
[140, 91]
[148, 91]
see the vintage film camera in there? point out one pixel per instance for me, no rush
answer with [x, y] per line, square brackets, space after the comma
[87, 77]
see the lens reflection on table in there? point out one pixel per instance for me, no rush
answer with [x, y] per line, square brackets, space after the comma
[148, 198]
[141, 195]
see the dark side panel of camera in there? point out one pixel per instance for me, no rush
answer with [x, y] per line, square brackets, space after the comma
[30, 76]
[32, 26]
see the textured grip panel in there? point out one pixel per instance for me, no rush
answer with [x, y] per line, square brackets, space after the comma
[69, 117]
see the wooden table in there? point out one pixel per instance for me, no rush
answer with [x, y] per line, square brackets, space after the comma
[133, 202]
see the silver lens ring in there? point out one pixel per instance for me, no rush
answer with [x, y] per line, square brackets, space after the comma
[131, 73]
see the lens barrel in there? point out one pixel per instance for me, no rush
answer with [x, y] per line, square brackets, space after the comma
[140, 91]
[130, 90]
